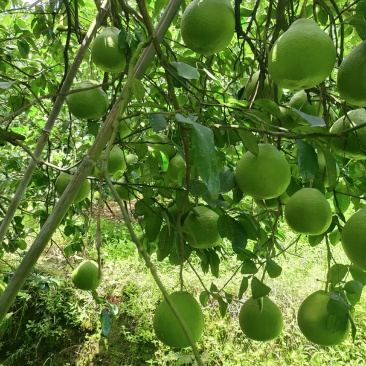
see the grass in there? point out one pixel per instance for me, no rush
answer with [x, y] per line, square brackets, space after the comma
[128, 285]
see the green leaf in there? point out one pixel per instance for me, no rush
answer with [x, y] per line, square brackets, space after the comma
[336, 273]
[249, 140]
[330, 164]
[337, 305]
[23, 48]
[259, 289]
[234, 231]
[227, 181]
[273, 269]
[353, 287]
[243, 287]
[138, 89]
[223, 305]
[6, 84]
[166, 240]
[204, 158]
[307, 160]
[122, 39]
[269, 106]
[214, 262]
[204, 297]
[314, 121]
[157, 122]
[314, 240]
[105, 322]
[187, 71]
[249, 267]
[358, 274]
[152, 223]
[213, 288]
[334, 236]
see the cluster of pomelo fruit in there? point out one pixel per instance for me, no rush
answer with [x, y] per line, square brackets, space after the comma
[259, 319]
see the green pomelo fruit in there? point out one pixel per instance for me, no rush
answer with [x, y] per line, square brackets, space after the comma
[176, 169]
[264, 176]
[307, 211]
[131, 159]
[201, 231]
[207, 26]
[353, 144]
[162, 143]
[272, 202]
[261, 324]
[301, 102]
[125, 192]
[64, 179]
[167, 327]
[302, 57]
[316, 323]
[351, 77]
[263, 91]
[353, 238]
[89, 104]
[86, 276]
[116, 160]
[106, 52]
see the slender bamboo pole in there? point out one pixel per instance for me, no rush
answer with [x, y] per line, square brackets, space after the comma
[42, 141]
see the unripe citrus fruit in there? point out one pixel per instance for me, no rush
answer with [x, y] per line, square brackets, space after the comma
[307, 211]
[87, 104]
[301, 102]
[162, 143]
[125, 192]
[302, 57]
[201, 231]
[264, 176]
[351, 77]
[85, 276]
[64, 179]
[262, 92]
[116, 160]
[106, 52]
[176, 169]
[354, 238]
[167, 327]
[207, 26]
[352, 145]
[131, 159]
[260, 324]
[315, 322]
[273, 202]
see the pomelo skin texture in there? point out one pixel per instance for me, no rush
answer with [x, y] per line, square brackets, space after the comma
[307, 211]
[313, 318]
[89, 104]
[353, 238]
[351, 77]
[260, 324]
[85, 276]
[106, 52]
[167, 327]
[264, 176]
[352, 145]
[201, 231]
[302, 57]
[207, 26]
